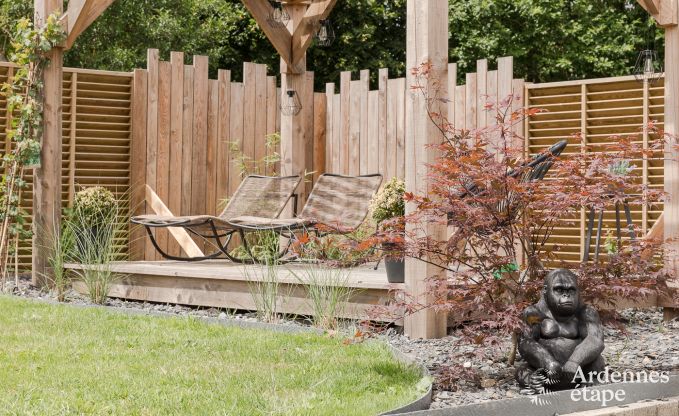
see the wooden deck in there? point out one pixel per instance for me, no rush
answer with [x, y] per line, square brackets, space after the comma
[223, 284]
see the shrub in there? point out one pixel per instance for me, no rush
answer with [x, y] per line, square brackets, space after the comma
[388, 202]
[497, 256]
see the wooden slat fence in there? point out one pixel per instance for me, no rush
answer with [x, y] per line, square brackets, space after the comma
[589, 114]
[185, 125]
[365, 129]
[96, 138]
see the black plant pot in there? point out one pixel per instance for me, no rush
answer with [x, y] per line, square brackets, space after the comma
[396, 270]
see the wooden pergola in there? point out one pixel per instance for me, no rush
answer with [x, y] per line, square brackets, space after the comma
[427, 40]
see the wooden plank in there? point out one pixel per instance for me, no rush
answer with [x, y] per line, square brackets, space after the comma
[392, 120]
[354, 116]
[181, 236]
[330, 109]
[224, 80]
[336, 134]
[71, 140]
[174, 199]
[400, 128]
[373, 132]
[320, 134]
[505, 78]
[452, 83]
[249, 109]
[491, 113]
[363, 117]
[345, 102]
[272, 111]
[307, 97]
[187, 139]
[471, 108]
[138, 162]
[518, 102]
[236, 128]
[460, 101]
[152, 64]
[200, 116]
[163, 156]
[482, 93]
[211, 153]
[382, 77]
[260, 115]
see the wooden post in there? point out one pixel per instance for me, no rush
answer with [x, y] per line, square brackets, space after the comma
[47, 178]
[292, 126]
[671, 211]
[427, 41]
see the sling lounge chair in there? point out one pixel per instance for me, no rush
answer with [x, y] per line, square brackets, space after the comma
[337, 204]
[257, 196]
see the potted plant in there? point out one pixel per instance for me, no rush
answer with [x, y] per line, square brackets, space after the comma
[386, 206]
[94, 210]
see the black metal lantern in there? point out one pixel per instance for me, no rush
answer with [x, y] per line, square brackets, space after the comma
[325, 35]
[648, 68]
[291, 105]
[278, 16]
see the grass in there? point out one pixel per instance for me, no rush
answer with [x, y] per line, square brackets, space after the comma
[59, 359]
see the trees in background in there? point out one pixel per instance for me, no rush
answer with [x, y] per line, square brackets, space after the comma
[550, 39]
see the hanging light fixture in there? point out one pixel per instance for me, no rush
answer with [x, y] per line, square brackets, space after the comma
[325, 35]
[648, 67]
[291, 105]
[278, 16]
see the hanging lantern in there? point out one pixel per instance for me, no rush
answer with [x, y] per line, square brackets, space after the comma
[648, 67]
[278, 16]
[291, 106]
[325, 35]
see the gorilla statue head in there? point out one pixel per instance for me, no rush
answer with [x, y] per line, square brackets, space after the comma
[561, 292]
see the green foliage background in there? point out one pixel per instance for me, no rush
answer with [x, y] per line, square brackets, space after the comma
[550, 39]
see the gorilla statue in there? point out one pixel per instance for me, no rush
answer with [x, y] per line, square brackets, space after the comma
[564, 338]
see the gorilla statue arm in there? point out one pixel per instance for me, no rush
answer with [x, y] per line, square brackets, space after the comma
[592, 340]
[530, 349]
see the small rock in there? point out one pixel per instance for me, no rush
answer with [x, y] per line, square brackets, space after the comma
[222, 315]
[488, 382]
[467, 364]
[646, 361]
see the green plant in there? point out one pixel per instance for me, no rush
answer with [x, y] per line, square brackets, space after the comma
[328, 291]
[94, 227]
[264, 246]
[265, 286]
[61, 246]
[23, 92]
[388, 202]
[266, 165]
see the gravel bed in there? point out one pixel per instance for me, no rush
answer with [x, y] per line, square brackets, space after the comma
[648, 343]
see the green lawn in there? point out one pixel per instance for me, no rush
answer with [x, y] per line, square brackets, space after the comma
[57, 359]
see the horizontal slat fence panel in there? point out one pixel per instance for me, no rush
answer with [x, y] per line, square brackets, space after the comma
[592, 114]
[96, 129]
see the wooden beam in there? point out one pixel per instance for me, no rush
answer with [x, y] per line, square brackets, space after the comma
[183, 238]
[304, 32]
[280, 37]
[671, 157]
[80, 15]
[427, 41]
[663, 11]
